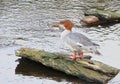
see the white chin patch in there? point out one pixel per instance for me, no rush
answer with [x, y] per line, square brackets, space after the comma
[61, 27]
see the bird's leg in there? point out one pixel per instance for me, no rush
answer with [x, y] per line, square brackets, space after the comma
[74, 55]
[80, 55]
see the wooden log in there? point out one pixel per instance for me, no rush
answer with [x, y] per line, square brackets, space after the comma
[107, 14]
[101, 17]
[88, 70]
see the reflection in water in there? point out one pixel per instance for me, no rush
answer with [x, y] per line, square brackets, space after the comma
[29, 68]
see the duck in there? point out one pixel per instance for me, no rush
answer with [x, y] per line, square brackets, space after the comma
[76, 42]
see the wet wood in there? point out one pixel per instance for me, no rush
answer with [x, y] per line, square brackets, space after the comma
[105, 16]
[88, 70]
[108, 14]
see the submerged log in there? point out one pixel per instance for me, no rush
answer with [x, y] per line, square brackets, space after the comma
[89, 70]
[103, 17]
[107, 14]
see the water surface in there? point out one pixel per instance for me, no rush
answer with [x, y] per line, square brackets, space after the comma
[27, 23]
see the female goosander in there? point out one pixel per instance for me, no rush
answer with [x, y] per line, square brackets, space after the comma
[76, 41]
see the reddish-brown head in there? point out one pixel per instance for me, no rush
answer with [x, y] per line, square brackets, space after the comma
[66, 23]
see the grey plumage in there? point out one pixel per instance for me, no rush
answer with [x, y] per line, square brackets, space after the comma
[79, 42]
[78, 38]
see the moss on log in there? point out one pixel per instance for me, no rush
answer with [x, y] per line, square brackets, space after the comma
[89, 70]
[105, 16]
[108, 14]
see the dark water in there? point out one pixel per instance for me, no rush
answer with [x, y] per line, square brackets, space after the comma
[27, 23]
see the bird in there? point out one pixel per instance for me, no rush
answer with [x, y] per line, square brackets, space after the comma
[76, 42]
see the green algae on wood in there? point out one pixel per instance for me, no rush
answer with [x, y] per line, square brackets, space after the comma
[89, 70]
[108, 14]
[106, 17]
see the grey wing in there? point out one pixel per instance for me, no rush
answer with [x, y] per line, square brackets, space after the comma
[69, 40]
[78, 38]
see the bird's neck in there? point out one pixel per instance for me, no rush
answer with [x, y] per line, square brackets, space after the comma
[64, 33]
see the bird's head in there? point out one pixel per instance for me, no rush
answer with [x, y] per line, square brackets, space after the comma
[65, 24]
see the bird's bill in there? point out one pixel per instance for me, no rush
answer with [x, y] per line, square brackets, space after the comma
[56, 25]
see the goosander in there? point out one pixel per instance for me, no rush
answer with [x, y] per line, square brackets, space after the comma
[77, 42]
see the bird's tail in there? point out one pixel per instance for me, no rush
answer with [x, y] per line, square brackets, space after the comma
[97, 52]
[92, 49]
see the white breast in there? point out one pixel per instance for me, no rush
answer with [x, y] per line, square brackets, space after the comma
[64, 33]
